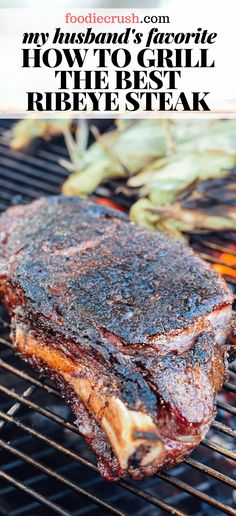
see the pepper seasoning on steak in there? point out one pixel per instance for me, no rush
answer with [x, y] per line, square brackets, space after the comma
[131, 325]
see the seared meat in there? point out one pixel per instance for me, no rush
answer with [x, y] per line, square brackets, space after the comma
[131, 325]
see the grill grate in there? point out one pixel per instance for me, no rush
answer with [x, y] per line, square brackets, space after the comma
[45, 466]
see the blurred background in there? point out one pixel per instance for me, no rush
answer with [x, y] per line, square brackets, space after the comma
[37, 4]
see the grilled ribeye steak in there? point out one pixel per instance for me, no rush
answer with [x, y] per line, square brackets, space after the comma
[131, 325]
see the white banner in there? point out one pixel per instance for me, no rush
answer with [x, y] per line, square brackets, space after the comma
[118, 62]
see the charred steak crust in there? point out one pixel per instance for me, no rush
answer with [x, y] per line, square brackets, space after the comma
[140, 310]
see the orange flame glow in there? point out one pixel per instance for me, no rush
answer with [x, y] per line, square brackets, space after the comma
[229, 259]
[105, 201]
[225, 270]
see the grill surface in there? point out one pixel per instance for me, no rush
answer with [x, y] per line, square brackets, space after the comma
[46, 467]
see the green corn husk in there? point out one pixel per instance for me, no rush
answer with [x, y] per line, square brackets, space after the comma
[25, 131]
[164, 182]
[176, 220]
[165, 161]
[206, 157]
[128, 150]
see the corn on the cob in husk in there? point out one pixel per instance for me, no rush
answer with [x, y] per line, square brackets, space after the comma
[164, 161]
[129, 150]
[176, 220]
[25, 131]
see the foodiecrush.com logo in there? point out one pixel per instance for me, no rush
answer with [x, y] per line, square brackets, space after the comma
[93, 18]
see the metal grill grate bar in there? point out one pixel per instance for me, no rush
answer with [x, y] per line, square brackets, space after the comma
[31, 165]
[15, 189]
[74, 456]
[61, 478]
[28, 378]
[210, 471]
[195, 492]
[34, 494]
[33, 191]
[219, 449]
[14, 408]
[230, 387]
[226, 407]
[223, 428]
[33, 406]
[11, 178]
